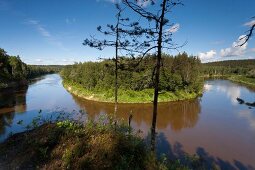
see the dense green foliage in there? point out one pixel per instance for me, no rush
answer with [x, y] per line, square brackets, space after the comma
[127, 96]
[13, 69]
[179, 72]
[230, 67]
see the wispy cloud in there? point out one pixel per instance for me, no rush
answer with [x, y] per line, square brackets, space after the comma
[174, 28]
[39, 28]
[249, 24]
[46, 34]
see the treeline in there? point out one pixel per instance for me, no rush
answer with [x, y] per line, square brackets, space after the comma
[37, 70]
[177, 72]
[230, 67]
[13, 69]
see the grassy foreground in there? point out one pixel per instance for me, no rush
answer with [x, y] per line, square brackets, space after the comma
[70, 145]
[127, 96]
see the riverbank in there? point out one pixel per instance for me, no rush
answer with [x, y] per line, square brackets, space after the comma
[12, 84]
[95, 145]
[21, 83]
[243, 80]
[127, 96]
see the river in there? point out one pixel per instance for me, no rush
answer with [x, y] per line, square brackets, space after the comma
[215, 126]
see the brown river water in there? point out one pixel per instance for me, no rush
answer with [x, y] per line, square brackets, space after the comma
[215, 126]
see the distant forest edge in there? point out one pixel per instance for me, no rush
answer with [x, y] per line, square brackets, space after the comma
[179, 79]
[240, 71]
[14, 72]
[230, 67]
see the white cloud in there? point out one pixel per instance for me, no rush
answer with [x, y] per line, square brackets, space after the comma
[235, 49]
[207, 55]
[250, 24]
[39, 60]
[174, 28]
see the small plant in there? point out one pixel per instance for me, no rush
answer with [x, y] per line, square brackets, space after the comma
[67, 158]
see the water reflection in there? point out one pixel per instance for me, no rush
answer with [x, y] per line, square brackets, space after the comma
[216, 123]
[249, 117]
[177, 115]
[11, 101]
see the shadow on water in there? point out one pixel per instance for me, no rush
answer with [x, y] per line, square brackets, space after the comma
[175, 151]
[12, 101]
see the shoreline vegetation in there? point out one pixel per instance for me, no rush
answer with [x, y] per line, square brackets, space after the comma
[243, 80]
[239, 71]
[96, 80]
[14, 72]
[127, 96]
[94, 145]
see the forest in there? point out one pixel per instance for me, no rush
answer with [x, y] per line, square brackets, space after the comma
[13, 69]
[178, 73]
[240, 71]
[230, 67]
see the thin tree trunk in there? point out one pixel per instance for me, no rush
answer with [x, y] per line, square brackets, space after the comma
[156, 83]
[116, 65]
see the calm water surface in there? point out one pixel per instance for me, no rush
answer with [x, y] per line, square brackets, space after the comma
[215, 126]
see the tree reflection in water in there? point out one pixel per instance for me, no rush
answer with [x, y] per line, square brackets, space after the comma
[12, 101]
[177, 115]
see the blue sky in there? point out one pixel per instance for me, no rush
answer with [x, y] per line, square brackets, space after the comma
[52, 31]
